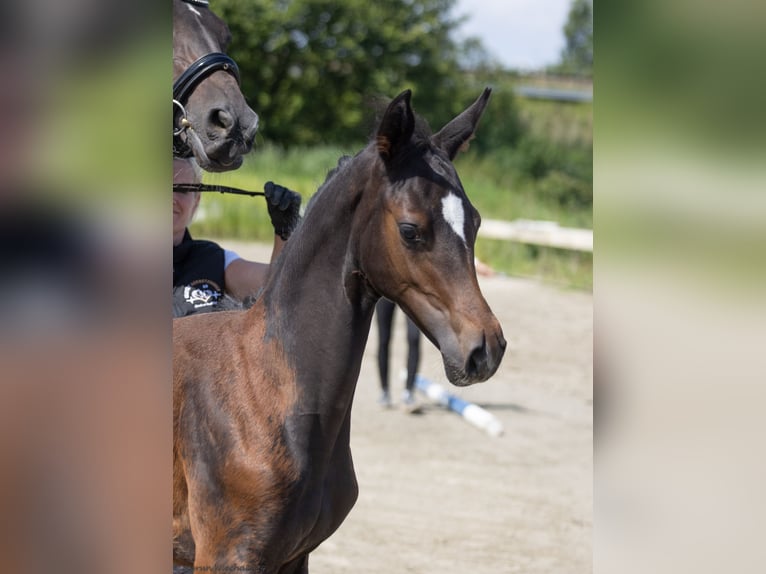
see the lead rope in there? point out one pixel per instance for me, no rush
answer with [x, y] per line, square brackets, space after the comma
[186, 187]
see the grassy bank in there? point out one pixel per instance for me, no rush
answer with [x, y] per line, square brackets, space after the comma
[498, 184]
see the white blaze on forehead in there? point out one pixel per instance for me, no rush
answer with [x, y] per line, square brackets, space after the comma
[193, 9]
[452, 210]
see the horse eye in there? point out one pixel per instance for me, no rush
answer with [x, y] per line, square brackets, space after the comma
[409, 232]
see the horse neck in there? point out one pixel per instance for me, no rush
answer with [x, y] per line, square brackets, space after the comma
[317, 304]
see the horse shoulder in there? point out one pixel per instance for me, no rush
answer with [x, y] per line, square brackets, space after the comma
[232, 393]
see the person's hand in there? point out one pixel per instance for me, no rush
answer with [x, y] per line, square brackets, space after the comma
[284, 208]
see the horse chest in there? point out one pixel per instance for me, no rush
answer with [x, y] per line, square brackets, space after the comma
[331, 500]
[324, 494]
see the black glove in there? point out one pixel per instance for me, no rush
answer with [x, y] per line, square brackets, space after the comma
[284, 208]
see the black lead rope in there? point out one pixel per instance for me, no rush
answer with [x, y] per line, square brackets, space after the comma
[186, 187]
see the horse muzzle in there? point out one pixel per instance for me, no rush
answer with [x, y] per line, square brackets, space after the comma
[480, 362]
[222, 144]
[469, 336]
[211, 119]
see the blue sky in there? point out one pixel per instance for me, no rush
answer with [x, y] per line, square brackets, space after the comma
[522, 34]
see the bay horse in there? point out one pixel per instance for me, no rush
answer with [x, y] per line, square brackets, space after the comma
[262, 469]
[211, 120]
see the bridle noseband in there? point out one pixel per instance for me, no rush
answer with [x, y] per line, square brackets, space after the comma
[188, 81]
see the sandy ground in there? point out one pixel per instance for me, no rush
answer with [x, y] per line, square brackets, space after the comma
[439, 496]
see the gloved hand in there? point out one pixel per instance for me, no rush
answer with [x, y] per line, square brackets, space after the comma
[284, 208]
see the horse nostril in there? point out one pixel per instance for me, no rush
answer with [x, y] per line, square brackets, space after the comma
[477, 360]
[502, 342]
[222, 120]
[249, 133]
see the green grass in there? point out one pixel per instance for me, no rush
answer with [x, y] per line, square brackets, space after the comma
[238, 217]
[560, 267]
[498, 191]
[562, 122]
[547, 174]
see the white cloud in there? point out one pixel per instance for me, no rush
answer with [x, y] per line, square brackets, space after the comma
[520, 33]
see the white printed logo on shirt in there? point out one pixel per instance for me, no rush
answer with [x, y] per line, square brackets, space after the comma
[202, 293]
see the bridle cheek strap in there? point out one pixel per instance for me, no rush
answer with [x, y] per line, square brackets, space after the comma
[185, 85]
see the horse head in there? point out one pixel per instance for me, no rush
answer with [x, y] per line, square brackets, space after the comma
[211, 119]
[418, 248]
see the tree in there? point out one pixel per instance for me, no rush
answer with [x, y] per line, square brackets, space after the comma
[577, 55]
[313, 68]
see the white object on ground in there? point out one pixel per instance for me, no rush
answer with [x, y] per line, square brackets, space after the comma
[474, 414]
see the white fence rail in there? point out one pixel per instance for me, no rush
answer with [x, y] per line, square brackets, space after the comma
[547, 233]
[557, 94]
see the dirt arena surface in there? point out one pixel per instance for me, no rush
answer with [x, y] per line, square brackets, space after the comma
[439, 496]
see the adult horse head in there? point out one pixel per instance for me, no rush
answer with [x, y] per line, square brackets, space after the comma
[211, 120]
[262, 468]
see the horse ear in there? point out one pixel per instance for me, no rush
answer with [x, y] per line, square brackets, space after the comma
[396, 127]
[461, 129]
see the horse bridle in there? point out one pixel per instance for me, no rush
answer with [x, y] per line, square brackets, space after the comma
[188, 81]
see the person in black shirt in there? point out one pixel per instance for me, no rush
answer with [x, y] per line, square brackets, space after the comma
[204, 272]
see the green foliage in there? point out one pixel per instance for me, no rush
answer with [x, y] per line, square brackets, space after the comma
[566, 190]
[318, 72]
[493, 182]
[561, 267]
[561, 122]
[501, 124]
[301, 169]
[541, 149]
[314, 69]
[577, 56]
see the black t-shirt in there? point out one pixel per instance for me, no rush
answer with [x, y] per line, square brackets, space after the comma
[198, 276]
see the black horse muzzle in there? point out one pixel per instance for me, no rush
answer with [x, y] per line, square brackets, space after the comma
[185, 85]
